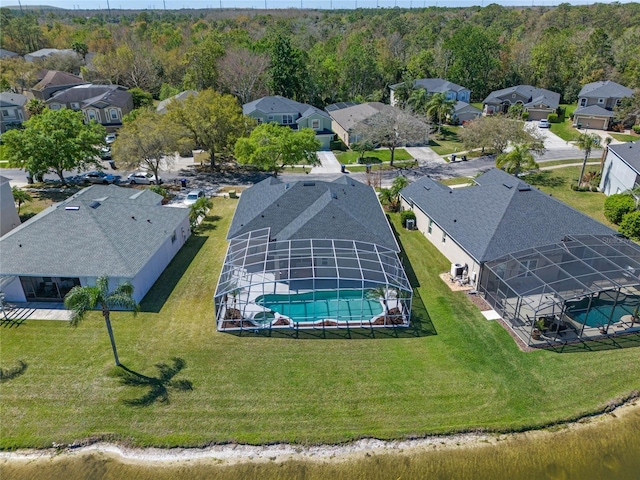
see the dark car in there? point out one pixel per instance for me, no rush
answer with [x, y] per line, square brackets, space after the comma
[99, 177]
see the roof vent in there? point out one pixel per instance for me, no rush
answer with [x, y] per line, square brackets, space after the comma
[72, 208]
[309, 184]
[95, 204]
[286, 186]
[508, 186]
[524, 187]
[334, 196]
[426, 188]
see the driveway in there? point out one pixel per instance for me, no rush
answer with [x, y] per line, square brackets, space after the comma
[556, 148]
[329, 163]
[424, 155]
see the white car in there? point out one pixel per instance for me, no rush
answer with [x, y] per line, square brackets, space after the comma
[193, 196]
[544, 123]
[109, 139]
[143, 178]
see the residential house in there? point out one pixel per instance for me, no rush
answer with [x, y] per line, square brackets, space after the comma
[43, 53]
[180, 97]
[464, 112]
[596, 102]
[345, 120]
[53, 81]
[539, 102]
[292, 114]
[12, 110]
[621, 171]
[9, 218]
[539, 263]
[309, 254]
[123, 233]
[451, 90]
[4, 54]
[106, 104]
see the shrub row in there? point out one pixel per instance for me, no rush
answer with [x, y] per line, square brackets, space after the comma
[587, 188]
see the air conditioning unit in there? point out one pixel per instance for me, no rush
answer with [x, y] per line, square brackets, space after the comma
[410, 223]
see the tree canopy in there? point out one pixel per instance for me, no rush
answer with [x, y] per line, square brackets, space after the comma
[55, 141]
[272, 147]
[495, 133]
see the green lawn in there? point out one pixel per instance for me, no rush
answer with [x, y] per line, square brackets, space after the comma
[372, 157]
[3, 161]
[565, 129]
[558, 183]
[624, 137]
[447, 141]
[451, 371]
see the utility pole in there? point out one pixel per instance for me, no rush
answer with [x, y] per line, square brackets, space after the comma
[165, 5]
[20, 3]
[109, 8]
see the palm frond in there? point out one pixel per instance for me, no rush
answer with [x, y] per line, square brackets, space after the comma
[80, 300]
[121, 300]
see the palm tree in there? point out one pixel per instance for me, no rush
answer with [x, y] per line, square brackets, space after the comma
[440, 107]
[35, 106]
[517, 160]
[82, 299]
[418, 100]
[199, 209]
[402, 93]
[20, 197]
[586, 142]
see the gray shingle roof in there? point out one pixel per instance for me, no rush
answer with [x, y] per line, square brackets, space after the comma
[460, 106]
[343, 209]
[279, 105]
[116, 239]
[534, 95]
[433, 85]
[629, 153]
[606, 89]
[339, 106]
[349, 117]
[594, 110]
[55, 78]
[10, 98]
[500, 215]
[7, 53]
[180, 97]
[91, 94]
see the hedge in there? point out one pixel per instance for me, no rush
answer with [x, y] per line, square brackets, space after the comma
[617, 206]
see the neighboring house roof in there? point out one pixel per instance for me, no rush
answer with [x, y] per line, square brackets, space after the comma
[605, 89]
[279, 105]
[89, 94]
[339, 106]
[7, 53]
[114, 231]
[341, 210]
[500, 215]
[594, 110]
[349, 117]
[12, 99]
[434, 85]
[55, 78]
[45, 52]
[535, 96]
[464, 106]
[629, 153]
[180, 97]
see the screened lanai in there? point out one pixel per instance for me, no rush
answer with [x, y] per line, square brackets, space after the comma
[310, 283]
[584, 287]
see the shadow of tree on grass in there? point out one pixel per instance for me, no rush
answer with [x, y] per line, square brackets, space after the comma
[544, 179]
[158, 387]
[7, 374]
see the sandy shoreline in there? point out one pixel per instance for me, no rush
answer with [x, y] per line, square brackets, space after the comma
[231, 454]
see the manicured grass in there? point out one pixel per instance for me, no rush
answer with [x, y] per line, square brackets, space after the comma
[558, 183]
[3, 161]
[457, 181]
[565, 129]
[372, 157]
[42, 200]
[551, 163]
[447, 141]
[624, 137]
[451, 371]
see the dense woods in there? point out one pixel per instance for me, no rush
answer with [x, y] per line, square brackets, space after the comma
[321, 57]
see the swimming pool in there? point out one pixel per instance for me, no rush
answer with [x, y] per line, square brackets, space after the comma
[599, 316]
[340, 305]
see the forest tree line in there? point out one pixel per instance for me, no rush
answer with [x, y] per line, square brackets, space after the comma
[323, 57]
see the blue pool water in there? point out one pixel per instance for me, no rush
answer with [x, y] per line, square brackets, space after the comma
[600, 315]
[341, 305]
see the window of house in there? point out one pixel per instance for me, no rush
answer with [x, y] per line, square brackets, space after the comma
[315, 124]
[91, 115]
[114, 114]
[173, 237]
[75, 106]
[258, 121]
[430, 228]
[270, 118]
[583, 102]
[55, 106]
[5, 113]
[444, 237]
[600, 100]
[513, 95]
[287, 119]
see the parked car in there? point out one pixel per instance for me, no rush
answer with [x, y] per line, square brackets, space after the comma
[99, 177]
[110, 138]
[544, 123]
[143, 178]
[193, 196]
[105, 153]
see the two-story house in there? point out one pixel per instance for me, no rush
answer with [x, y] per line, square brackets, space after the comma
[12, 111]
[451, 90]
[596, 102]
[53, 81]
[106, 104]
[292, 114]
[539, 102]
[621, 170]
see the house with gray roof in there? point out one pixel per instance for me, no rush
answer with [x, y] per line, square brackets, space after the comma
[500, 215]
[344, 121]
[308, 254]
[539, 102]
[596, 102]
[180, 97]
[289, 113]
[105, 104]
[464, 112]
[53, 81]
[452, 91]
[7, 54]
[9, 218]
[12, 110]
[621, 170]
[43, 53]
[123, 233]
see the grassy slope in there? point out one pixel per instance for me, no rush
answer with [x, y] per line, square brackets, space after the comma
[453, 371]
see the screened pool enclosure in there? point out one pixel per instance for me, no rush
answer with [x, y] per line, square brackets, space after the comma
[584, 287]
[310, 283]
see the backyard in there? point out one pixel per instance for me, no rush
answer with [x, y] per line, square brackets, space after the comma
[451, 371]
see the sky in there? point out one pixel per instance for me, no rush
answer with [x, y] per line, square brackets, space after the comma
[273, 4]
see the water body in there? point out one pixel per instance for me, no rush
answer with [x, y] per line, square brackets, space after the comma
[604, 448]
